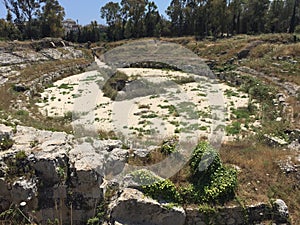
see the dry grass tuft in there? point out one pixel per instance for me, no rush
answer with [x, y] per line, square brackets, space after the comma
[260, 178]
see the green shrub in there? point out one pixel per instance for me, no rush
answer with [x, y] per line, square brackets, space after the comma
[204, 161]
[93, 221]
[163, 190]
[169, 146]
[221, 186]
[18, 166]
[156, 187]
[241, 113]
[144, 177]
[211, 181]
[6, 143]
[234, 128]
[20, 156]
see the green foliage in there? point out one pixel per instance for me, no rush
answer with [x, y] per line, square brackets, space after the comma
[22, 112]
[144, 177]
[14, 215]
[207, 209]
[32, 19]
[51, 19]
[5, 143]
[156, 187]
[204, 161]
[100, 214]
[221, 186]
[68, 116]
[162, 190]
[234, 128]
[172, 109]
[169, 146]
[229, 93]
[241, 113]
[20, 156]
[93, 221]
[111, 87]
[8, 30]
[18, 166]
[211, 181]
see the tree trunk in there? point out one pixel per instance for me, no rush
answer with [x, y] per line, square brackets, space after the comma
[293, 18]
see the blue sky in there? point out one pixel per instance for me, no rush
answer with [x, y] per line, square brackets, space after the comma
[86, 11]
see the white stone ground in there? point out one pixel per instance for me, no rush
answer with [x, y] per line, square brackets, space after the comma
[147, 115]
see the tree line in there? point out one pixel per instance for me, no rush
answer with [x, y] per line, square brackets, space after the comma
[33, 19]
[140, 18]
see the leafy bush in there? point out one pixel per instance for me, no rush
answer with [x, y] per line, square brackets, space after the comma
[162, 190]
[156, 187]
[205, 160]
[211, 181]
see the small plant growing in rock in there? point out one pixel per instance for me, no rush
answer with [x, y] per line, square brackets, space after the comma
[6, 143]
[169, 146]
[18, 166]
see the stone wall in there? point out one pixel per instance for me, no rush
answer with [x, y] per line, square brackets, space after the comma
[53, 176]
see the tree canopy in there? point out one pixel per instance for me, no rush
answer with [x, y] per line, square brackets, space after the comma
[27, 19]
[140, 18]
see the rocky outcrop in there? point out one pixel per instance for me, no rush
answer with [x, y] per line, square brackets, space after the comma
[55, 175]
[51, 176]
[19, 55]
[35, 86]
[30, 56]
[237, 215]
[133, 208]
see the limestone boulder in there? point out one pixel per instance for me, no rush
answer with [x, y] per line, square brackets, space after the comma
[280, 210]
[132, 207]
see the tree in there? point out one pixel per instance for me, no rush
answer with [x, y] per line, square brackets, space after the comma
[51, 19]
[217, 16]
[175, 12]
[293, 17]
[190, 12]
[8, 30]
[254, 18]
[134, 11]
[111, 12]
[24, 12]
[275, 17]
[152, 18]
